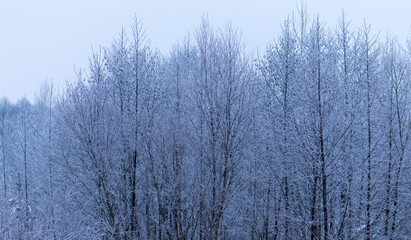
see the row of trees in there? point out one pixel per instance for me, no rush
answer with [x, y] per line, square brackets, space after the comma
[309, 141]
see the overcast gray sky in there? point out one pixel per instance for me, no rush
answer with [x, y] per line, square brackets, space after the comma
[46, 39]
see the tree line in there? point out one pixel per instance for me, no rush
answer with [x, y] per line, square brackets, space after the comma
[310, 140]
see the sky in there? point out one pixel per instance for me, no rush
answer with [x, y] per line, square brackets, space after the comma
[47, 40]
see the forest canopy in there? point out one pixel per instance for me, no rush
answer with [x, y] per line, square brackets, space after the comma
[309, 140]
